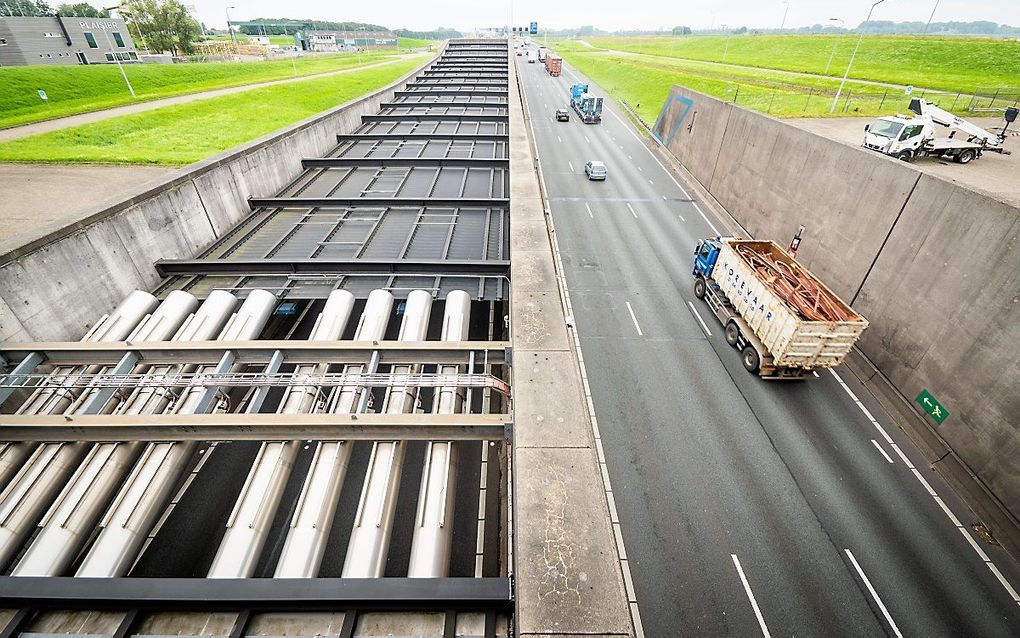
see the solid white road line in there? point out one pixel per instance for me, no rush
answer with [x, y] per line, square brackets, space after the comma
[634, 319]
[681, 218]
[879, 447]
[750, 596]
[589, 210]
[631, 210]
[700, 320]
[571, 165]
[874, 594]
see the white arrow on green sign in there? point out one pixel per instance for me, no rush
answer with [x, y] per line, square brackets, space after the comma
[930, 405]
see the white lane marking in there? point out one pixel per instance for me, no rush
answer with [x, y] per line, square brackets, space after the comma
[589, 210]
[639, 168]
[700, 320]
[631, 210]
[681, 218]
[815, 372]
[586, 139]
[668, 173]
[632, 157]
[664, 197]
[558, 139]
[634, 319]
[949, 512]
[1002, 579]
[879, 447]
[750, 596]
[870, 417]
[927, 486]
[874, 594]
[651, 182]
[903, 456]
[571, 165]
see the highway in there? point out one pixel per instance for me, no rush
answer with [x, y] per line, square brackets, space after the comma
[746, 507]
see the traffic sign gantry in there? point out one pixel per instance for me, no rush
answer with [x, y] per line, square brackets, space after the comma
[930, 405]
[533, 28]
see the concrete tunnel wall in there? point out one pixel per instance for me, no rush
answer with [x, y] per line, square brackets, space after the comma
[54, 287]
[932, 265]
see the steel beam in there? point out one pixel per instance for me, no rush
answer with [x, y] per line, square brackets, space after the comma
[251, 267]
[471, 162]
[254, 427]
[261, 352]
[29, 362]
[436, 117]
[264, 594]
[126, 364]
[377, 202]
[499, 93]
[400, 137]
[484, 105]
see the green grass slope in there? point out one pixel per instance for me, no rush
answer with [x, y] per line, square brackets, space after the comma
[951, 64]
[190, 132]
[80, 89]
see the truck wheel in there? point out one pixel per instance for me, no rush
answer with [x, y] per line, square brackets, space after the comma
[699, 288]
[732, 334]
[905, 156]
[964, 156]
[749, 357]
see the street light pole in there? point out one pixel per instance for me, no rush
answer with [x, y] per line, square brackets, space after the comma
[229, 30]
[933, 9]
[782, 25]
[852, 56]
[726, 46]
[831, 55]
[116, 58]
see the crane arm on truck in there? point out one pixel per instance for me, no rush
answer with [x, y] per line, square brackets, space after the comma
[924, 108]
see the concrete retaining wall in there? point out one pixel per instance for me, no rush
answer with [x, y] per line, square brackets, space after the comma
[931, 264]
[52, 288]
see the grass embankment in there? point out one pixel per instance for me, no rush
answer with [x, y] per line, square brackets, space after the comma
[958, 65]
[190, 132]
[80, 89]
[415, 43]
[646, 79]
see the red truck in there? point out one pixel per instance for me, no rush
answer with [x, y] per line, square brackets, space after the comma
[553, 64]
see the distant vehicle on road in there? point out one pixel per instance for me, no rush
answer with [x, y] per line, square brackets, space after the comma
[588, 107]
[541, 53]
[908, 138]
[553, 64]
[519, 52]
[596, 170]
[783, 320]
[532, 57]
[562, 115]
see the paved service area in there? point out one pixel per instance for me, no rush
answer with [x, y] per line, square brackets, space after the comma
[35, 198]
[994, 174]
[746, 507]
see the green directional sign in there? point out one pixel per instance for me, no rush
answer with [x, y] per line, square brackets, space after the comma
[931, 405]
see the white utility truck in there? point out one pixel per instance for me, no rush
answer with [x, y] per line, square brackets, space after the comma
[908, 138]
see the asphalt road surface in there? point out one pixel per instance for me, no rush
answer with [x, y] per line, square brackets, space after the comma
[747, 507]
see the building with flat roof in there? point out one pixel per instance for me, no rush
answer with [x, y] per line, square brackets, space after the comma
[343, 40]
[64, 41]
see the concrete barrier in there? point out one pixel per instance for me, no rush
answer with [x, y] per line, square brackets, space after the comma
[930, 263]
[53, 287]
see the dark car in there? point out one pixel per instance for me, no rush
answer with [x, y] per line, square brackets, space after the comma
[562, 115]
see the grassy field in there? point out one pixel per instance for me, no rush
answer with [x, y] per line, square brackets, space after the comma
[645, 79]
[80, 89]
[415, 43]
[949, 64]
[190, 132]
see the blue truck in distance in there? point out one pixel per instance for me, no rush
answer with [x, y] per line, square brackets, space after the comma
[587, 107]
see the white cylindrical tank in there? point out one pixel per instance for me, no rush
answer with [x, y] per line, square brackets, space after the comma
[250, 521]
[142, 497]
[313, 517]
[39, 479]
[373, 523]
[433, 526]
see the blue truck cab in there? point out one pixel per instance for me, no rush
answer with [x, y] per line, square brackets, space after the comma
[705, 255]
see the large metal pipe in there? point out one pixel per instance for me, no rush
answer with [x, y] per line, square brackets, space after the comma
[250, 521]
[432, 543]
[39, 480]
[313, 517]
[142, 497]
[373, 523]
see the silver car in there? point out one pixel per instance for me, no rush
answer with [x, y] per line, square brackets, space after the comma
[596, 170]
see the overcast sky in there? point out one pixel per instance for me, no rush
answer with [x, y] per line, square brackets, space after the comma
[605, 14]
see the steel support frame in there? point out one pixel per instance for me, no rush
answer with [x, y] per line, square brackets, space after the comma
[401, 137]
[436, 117]
[262, 351]
[376, 202]
[469, 162]
[245, 426]
[253, 267]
